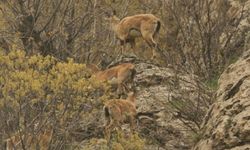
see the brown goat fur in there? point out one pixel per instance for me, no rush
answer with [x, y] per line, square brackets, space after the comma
[118, 75]
[118, 112]
[147, 25]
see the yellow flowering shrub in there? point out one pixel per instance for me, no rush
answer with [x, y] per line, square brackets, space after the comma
[37, 89]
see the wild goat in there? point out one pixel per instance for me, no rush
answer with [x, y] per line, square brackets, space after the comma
[118, 111]
[118, 75]
[147, 25]
[30, 141]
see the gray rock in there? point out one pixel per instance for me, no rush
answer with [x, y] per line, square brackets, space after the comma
[170, 98]
[227, 123]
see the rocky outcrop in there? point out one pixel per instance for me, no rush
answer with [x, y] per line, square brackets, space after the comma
[175, 102]
[227, 123]
[171, 103]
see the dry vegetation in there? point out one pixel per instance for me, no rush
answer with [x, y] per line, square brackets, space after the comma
[45, 44]
[201, 34]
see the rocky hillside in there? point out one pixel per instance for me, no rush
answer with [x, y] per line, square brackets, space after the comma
[177, 101]
[171, 104]
[46, 84]
[227, 123]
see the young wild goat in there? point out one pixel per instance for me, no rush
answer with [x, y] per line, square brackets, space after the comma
[118, 75]
[30, 141]
[147, 25]
[119, 111]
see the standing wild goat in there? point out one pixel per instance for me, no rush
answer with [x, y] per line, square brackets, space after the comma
[146, 24]
[117, 75]
[119, 111]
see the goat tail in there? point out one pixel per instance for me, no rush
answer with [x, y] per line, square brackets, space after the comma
[158, 26]
[106, 111]
[133, 73]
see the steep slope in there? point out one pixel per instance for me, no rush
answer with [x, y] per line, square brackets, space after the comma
[227, 123]
[171, 103]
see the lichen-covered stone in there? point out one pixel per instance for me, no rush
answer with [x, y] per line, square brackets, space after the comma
[227, 125]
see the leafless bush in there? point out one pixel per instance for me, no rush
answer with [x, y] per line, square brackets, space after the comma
[204, 33]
